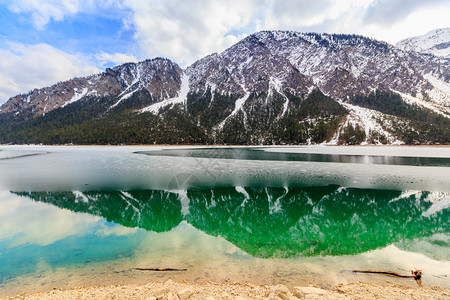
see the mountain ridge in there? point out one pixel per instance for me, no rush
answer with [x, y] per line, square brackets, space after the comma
[260, 82]
[112, 82]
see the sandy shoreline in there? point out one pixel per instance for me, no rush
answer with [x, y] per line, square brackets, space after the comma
[227, 290]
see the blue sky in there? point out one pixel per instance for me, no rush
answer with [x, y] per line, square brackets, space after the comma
[46, 41]
[85, 32]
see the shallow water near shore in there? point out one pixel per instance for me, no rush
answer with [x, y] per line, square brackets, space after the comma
[75, 216]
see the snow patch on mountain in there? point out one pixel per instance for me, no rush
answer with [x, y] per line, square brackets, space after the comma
[422, 103]
[277, 85]
[132, 87]
[136, 73]
[124, 97]
[237, 107]
[438, 84]
[92, 93]
[180, 99]
[440, 94]
[76, 96]
[367, 119]
[436, 42]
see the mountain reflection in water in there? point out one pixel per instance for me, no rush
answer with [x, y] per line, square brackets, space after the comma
[273, 222]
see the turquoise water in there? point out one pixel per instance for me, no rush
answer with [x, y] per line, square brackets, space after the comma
[90, 215]
[268, 222]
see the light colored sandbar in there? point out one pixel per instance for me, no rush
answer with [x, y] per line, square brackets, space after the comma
[213, 290]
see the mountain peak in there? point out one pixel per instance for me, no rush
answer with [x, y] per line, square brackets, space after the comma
[160, 77]
[323, 39]
[436, 42]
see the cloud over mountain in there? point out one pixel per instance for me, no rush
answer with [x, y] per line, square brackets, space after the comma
[105, 33]
[25, 67]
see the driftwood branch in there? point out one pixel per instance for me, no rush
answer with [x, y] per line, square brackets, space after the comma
[159, 269]
[417, 274]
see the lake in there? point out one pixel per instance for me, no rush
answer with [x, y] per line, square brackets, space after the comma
[79, 215]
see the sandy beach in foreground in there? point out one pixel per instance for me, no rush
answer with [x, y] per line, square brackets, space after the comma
[213, 290]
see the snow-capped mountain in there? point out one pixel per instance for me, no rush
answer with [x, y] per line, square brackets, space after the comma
[436, 42]
[159, 77]
[340, 65]
[271, 87]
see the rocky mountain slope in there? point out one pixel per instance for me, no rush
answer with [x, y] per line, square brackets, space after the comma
[159, 77]
[339, 65]
[272, 87]
[436, 42]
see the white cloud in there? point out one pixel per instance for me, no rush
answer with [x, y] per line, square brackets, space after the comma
[322, 16]
[29, 222]
[387, 20]
[293, 14]
[115, 58]
[37, 223]
[415, 23]
[25, 67]
[188, 30]
[388, 12]
[43, 11]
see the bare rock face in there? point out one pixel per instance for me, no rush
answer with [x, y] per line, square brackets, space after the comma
[342, 65]
[160, 77]
[249, 66]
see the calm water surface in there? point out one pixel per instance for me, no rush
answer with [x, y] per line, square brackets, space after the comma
[293, 215]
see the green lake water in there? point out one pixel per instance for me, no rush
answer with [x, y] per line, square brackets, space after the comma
[305, 215]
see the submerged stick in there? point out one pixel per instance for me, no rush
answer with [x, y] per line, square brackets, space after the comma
[159, 269]
[417, 274]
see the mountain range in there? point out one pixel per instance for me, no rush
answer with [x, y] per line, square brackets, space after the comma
[272, 87]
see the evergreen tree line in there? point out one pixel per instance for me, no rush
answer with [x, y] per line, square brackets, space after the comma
[418, 125]
[263, 120]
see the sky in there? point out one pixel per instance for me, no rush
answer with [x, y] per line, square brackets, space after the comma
[43, 42]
